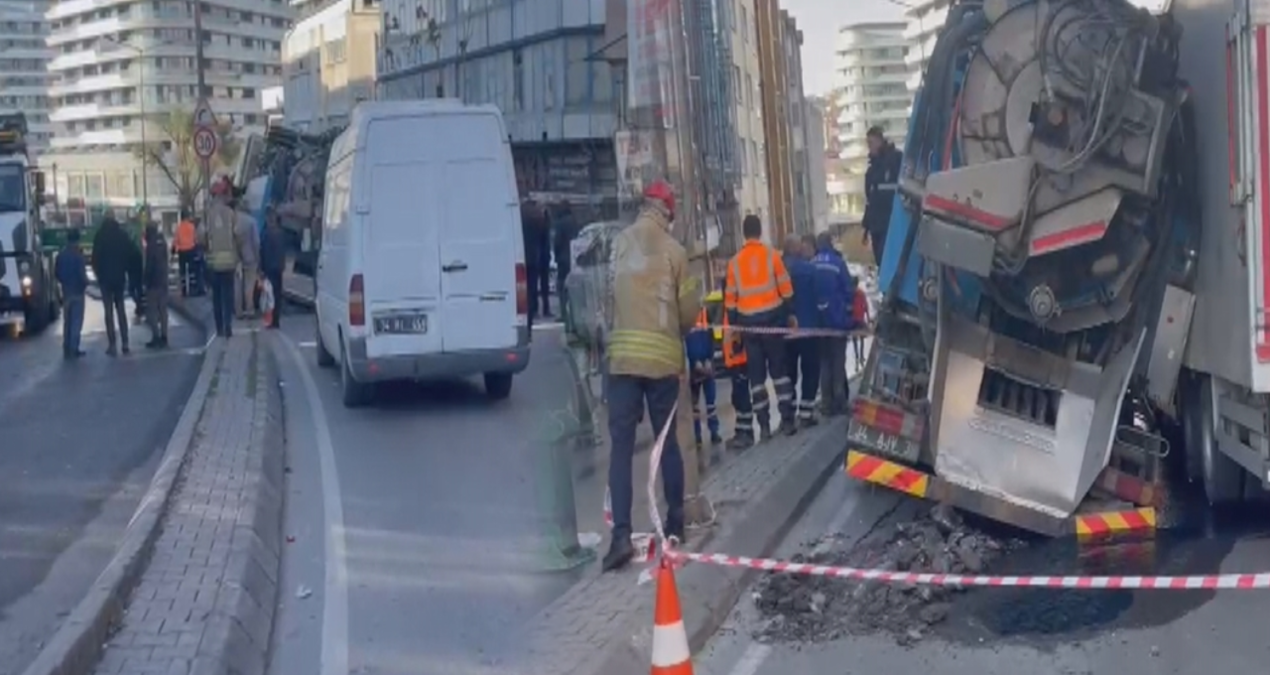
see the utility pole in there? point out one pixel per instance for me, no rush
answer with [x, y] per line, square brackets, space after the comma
[200, 68]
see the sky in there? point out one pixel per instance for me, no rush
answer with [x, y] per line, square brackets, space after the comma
[819, 21]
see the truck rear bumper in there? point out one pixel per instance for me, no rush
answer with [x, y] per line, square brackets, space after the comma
[1093, 524]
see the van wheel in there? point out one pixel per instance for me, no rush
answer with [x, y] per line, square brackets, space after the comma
[355, 394]
[324, 357]
[498, 386]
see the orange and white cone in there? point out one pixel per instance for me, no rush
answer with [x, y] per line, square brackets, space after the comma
[671, 655]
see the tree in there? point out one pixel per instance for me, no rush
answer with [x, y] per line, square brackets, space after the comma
[170, 146]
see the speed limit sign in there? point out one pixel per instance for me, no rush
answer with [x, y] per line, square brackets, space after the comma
[205, 142]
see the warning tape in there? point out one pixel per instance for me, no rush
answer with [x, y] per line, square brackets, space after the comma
[790, 332]
[1195, 582]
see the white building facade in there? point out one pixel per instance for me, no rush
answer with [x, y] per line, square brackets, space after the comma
[328, 64]
[24, 58]
[537, 60]
[924, 19]
[753, 196]
[116, 63]
[872, 74]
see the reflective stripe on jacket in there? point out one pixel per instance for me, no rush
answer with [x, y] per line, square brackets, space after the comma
[655, 301]
[758, 286]
[221, 241]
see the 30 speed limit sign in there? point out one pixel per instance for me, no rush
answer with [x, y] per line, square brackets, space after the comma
[205, 142]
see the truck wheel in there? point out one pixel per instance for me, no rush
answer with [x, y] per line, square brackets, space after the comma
[354, 394]
[1221, 477]
[498, 386]
[35, 320]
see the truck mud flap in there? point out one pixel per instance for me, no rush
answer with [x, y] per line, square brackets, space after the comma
[1091, 527]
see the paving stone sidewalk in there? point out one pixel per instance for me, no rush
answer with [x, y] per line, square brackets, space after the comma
[205, 602]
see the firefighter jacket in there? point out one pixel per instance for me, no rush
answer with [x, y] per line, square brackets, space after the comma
[654, 299]
[758, 287]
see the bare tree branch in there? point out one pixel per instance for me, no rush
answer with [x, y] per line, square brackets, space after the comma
[174, 153]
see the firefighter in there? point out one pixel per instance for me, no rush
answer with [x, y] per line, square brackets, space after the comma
[654, 305]
[758, 296]
[734, 363]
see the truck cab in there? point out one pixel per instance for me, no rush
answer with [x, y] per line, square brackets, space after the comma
[28, 292]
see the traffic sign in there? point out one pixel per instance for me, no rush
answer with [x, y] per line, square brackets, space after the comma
[205, 142]
[203, 117]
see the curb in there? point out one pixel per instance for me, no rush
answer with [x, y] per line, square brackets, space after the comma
[77, 644]
[181, 306]
[240, 627]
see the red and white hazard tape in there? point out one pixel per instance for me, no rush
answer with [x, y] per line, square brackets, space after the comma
[1206, 581]
[792, 332]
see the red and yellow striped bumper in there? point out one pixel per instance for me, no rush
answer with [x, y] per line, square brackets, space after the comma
[887, 474]
[1112, 523]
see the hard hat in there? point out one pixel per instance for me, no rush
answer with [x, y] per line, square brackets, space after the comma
[662, 192]
[221, 187]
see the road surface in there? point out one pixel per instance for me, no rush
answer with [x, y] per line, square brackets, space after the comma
[79, 441]
[1043, 631]
[418, 529]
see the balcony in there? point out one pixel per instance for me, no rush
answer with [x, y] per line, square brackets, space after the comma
[131, 78]
[69, 8]
[75, 113]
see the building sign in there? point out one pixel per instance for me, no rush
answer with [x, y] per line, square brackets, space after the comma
[635, 163]
[651, 57]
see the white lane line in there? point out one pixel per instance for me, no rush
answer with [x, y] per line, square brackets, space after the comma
[751, 660]
[335, 595]
[307, 344]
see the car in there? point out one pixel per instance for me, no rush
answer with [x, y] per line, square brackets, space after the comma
[421, 270]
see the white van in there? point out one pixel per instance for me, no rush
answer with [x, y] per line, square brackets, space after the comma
[421, 271]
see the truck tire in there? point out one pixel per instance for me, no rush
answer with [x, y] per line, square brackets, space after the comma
[35, 319]
[1220, 476]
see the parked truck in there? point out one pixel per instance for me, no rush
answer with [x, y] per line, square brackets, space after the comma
[1078, 259]
[29, 296]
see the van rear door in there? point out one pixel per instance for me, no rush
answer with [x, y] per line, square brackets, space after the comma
[399, 264]
[479, 229]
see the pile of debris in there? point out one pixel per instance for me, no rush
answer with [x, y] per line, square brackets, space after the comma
[800, 608]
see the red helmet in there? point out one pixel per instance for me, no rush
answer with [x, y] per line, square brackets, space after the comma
[221, 188]
[662, 192]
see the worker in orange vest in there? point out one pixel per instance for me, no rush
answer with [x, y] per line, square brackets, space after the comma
[185, 245]
[734, 364]
[758, 295]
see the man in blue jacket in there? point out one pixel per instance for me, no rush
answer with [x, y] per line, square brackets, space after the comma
[835, 291]
[699, 347]
[802, 352]
[71, 271]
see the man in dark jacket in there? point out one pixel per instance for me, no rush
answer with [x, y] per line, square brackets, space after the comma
[273, 260]
[564, 231]
[802, 352]
[156, 287]
[72, 274]
[835, 292]
[537, 232]
[880, 182]
[113, 254]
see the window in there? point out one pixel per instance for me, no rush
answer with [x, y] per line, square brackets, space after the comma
[120, 184]
[745, 25]
[736, 84]
[12, 188]
[578, 82]
[94, 187]
[518, 80]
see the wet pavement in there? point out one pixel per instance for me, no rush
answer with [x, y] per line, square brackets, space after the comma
[1003, 630]
[80, 441]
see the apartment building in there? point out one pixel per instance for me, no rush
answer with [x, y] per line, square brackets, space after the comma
[774, 87]
[753, 196]
[800, 152]
[24, 58]
[537, 60]
[871, 90]
[923, 19]
[328, 64]
[817, 180]
[116, 65]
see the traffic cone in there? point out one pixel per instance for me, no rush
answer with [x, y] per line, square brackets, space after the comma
[671, 655]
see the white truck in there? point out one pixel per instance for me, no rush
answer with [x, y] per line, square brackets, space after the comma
[29, 296]
[1078, 260]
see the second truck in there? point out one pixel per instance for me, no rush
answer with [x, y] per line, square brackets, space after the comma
[1078, 259]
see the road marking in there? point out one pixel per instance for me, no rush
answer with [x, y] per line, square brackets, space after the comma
[334, 659]
[751, 660]
[307, 344]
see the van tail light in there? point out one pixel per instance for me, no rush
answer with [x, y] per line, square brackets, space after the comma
[356, 301]
[522, 290]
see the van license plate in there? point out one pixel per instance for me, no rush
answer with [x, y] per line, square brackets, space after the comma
[403, 324]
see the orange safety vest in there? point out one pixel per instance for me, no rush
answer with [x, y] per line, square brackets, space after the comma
[703, 321]
[757, 280]
[185, 236]
[733, 352]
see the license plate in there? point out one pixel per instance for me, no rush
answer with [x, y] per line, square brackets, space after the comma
[402, 324]
[896, 447]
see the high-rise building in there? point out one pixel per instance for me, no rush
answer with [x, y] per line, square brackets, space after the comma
[540, 64]
[872, 91]
[24, 60]
[753, 197]
[117, 64]
[328, 64]
[801, 150]
[924, 19]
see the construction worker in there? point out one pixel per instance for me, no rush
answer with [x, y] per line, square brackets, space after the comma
[734, 362]
[184, 244]
[654, 304]
[699, 346]
[758, 296]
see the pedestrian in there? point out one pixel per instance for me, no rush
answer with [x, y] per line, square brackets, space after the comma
[564, 231]
[860, 319]
[734, 362]
[880, 182]
[802, 351]
[114, 254]
[536, 230]
[220, 244]
[654, 304]
[156, 287]
[247, 233]
[72, 274]
[835, 288]
[273, 260]
[136, 270]
[699, 346]
[758, 298]
[183, 244]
